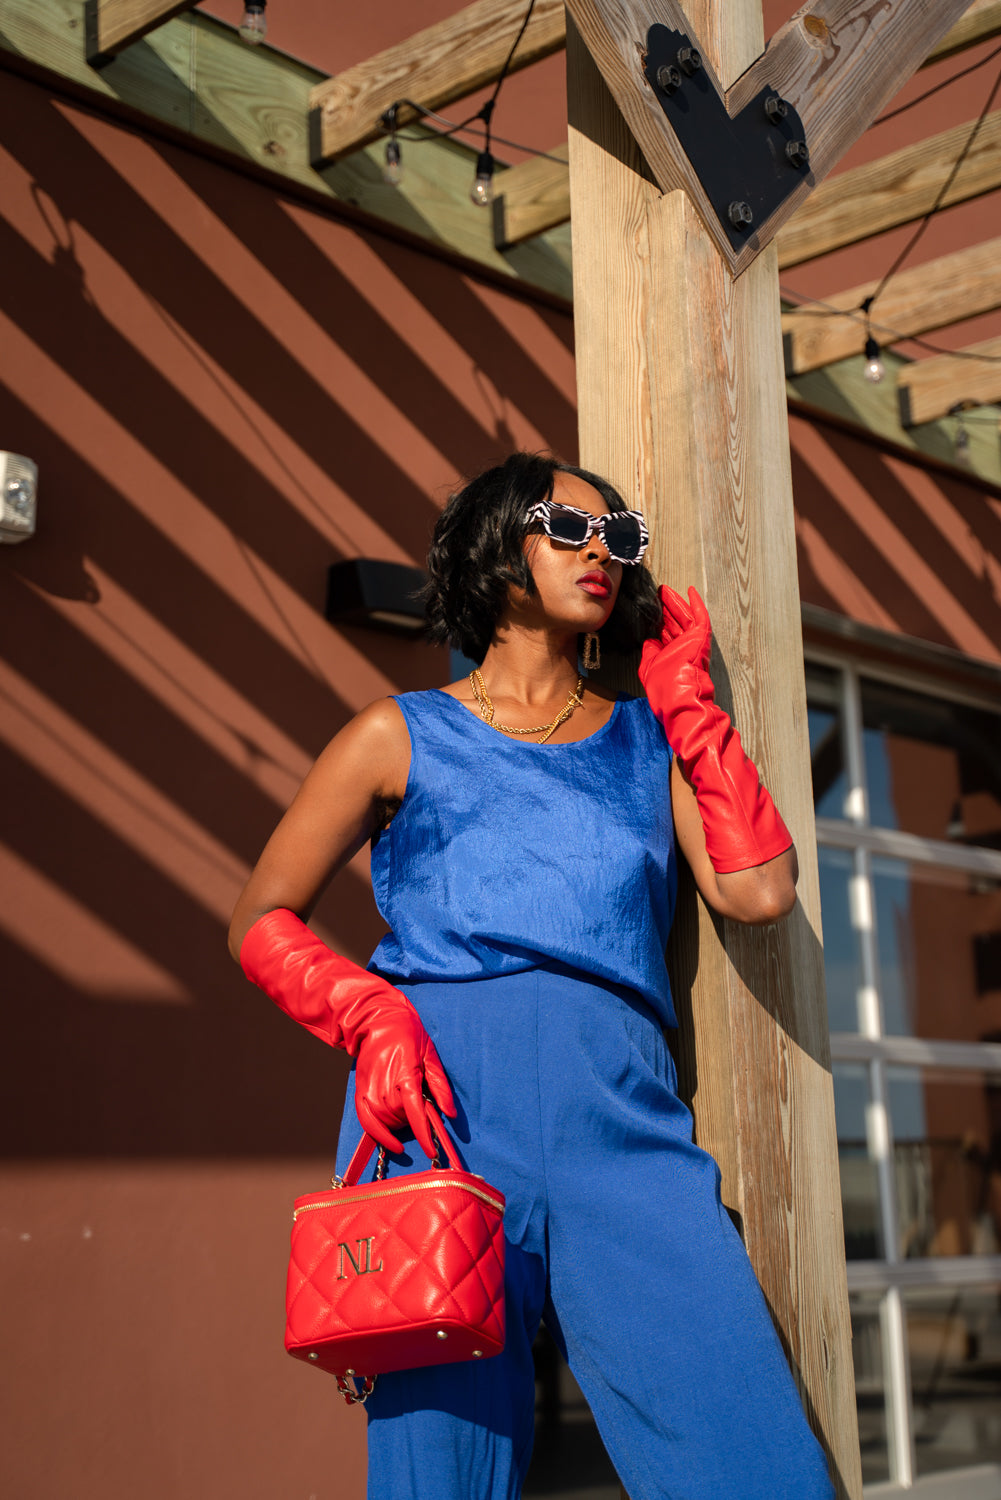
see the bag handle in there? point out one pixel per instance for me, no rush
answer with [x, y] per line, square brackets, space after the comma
[368, 1144]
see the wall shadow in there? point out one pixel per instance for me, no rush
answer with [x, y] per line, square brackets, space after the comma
[89, 192]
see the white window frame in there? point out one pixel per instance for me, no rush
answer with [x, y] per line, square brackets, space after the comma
[891, 1277]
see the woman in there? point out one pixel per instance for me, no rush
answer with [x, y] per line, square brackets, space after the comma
[524, 825]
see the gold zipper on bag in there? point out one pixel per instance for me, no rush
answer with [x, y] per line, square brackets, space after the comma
[405, 1187]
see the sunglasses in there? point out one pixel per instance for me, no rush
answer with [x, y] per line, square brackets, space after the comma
[623, 532]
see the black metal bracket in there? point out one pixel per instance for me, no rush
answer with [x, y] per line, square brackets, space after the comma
[747, 164]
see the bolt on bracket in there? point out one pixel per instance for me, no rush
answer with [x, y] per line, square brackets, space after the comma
[748, 164]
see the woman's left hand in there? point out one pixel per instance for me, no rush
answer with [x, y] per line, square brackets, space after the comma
[670, 665]
[744, 862]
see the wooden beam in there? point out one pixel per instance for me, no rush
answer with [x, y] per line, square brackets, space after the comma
[194, 79]
[961, 285]
[836, 65]
[442, 63]
[841, 393]
[537, 199]
[896, 189]
[879, 195]
[931, 388]
[682, 405]
[112, 25]
[978, 24]
[531, 197]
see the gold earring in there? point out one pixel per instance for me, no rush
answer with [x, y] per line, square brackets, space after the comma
[592, 653]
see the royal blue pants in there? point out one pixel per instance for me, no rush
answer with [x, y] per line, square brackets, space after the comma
[617, 1238]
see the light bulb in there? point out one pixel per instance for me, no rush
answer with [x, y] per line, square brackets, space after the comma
[393, 169]
[254, 26]
[961, 444]
[874, 366]
[482, 191]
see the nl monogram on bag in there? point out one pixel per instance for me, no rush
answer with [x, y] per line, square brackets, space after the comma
[363, 1265]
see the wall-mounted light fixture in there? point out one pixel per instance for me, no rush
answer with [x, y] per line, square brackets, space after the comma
[381, 595]
[18, 490]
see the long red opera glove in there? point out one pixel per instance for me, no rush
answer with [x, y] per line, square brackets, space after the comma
[741, 822]
[348, 1007]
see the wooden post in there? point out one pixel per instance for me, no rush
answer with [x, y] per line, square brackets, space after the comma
[682, 405]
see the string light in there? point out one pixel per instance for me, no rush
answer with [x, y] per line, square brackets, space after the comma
[891, 335]
[875, 370]
[393, 169]
[254, 26]
[961, 436]
[482, 191]
[874, 366]
[961, 445]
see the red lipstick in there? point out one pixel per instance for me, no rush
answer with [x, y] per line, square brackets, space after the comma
[597, 583]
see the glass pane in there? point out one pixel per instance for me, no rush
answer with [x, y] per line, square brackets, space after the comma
[870, 1386]
[954, 1337]
[569, 1458]
[842, 957]
[947, 1160]
[932, 768]
[938, 936]
[859, 1187]
[830, 784]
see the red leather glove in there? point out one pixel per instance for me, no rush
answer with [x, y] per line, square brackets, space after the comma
[348, 1007]
[741, 822]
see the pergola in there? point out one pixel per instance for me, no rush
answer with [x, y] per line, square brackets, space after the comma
[682, 352]
[451, 59]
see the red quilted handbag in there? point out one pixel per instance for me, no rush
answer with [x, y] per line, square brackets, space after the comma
[396, 1273]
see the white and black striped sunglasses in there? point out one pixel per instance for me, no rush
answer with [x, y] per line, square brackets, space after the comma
[623, 532]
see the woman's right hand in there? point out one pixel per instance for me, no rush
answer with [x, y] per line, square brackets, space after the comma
[395, 1059]
[350, 1007]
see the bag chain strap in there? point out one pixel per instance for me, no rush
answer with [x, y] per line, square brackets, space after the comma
[352, 1393]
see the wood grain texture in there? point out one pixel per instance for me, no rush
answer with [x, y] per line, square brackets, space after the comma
[839, 61]
[540, 201]
[443, 62]
[532, 197]
[895, 189]
[838, 81]
[930, 388]
[979, 22]
[194, 75]
[961, 285]
[682, 404]
[113, 25]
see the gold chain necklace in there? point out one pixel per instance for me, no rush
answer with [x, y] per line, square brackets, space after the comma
[574, 702]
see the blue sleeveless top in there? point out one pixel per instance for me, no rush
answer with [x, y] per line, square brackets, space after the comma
[506, 855]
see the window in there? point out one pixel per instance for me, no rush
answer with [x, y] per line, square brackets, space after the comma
[907, 792]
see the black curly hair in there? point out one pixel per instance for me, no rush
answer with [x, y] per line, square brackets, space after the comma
[476, 555]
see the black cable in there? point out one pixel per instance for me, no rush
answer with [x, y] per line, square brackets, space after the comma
[469, 126]
[944, 84]
[514, 47]
[989, 359]
[890, 335]
[485, 113]
[943, 191]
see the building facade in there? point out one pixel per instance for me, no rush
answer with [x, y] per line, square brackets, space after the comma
[228, 387]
